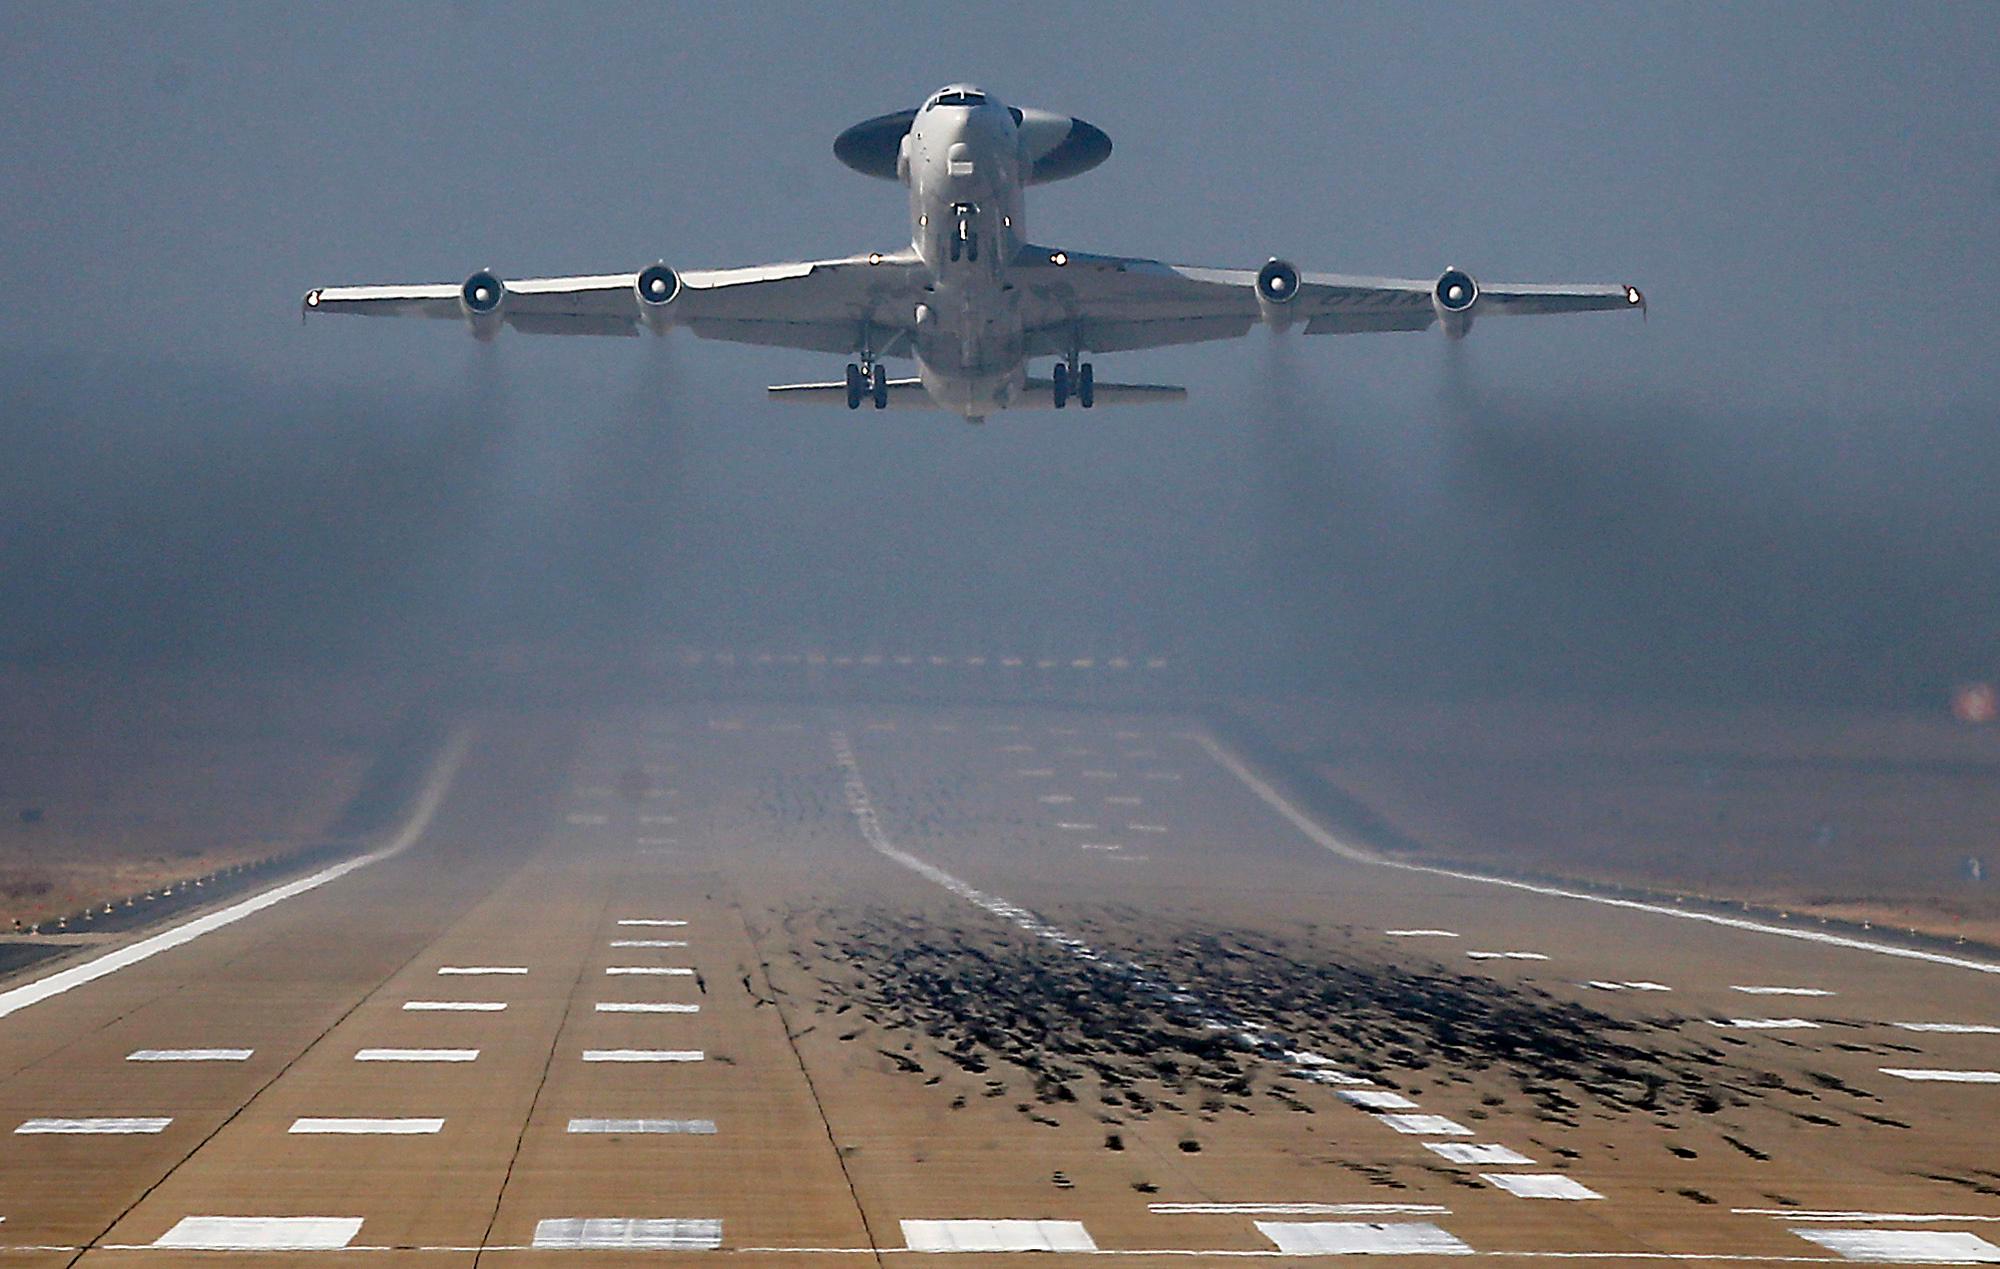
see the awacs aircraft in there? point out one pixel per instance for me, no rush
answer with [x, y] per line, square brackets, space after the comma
[971, 298]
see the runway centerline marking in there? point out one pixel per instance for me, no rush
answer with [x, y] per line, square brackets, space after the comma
[1951, 1028]
[1298, 1209]
[189, 1055]
[643, 1006]
[481, 971]
[1765, 1024]
[416, 1055]
[651, 921]
[454, 1006]
[1326, 840]
[649, 942]
[92, 1127]
[1942, 1077]
[403, 1127]
[695, 1127]
[643, 1055]
[668, 971]
[18, 998]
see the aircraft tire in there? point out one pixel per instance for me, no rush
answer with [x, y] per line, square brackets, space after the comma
[1086, 386]
[879, 388]
[1061, 378]
[853, 386]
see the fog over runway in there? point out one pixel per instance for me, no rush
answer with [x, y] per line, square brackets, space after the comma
[776, 984]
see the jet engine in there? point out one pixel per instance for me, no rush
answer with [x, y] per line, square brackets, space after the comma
[657, 287]
[482, 299]
[1277, 286]
[1454, 297]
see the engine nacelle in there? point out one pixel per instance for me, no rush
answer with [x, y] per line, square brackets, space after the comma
[1277, 287]
[483, 300]
[657, 287]
[1453, 297]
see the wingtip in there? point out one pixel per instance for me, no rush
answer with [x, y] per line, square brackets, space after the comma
[1637, 299]
[307, 302]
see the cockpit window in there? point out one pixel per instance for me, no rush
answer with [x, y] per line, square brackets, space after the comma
[953, 97]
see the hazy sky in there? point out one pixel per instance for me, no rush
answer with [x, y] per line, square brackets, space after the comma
[1807, 192]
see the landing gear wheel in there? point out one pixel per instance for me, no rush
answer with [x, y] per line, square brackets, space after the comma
[854, 386]
[1086, 387]
[878, 386]
[1061, 377]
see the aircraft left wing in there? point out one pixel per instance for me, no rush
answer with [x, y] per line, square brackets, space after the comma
[1098, 303]
[819, 305]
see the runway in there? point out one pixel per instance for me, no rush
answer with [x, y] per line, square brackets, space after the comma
[789, 985]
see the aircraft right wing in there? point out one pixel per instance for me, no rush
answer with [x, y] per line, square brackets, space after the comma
[835, 306]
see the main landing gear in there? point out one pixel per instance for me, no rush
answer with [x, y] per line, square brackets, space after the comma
[1075, 380]
[869, 380]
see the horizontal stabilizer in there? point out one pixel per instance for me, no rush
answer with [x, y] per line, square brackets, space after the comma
[904, 394]
[1040, 394]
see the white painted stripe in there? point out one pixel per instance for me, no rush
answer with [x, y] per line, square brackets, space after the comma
[261, 1233]
[1036, 773]
[1376, 1099]
[644, 1006]
[1099, 846]
[1147, 828]
[1765, 1024]
[1905, 1246]
[649, 942]
[18, 998]
[636, 1235]
[189, 1055]
[1539, 1185]
[1640, 984]
[1782, 991]
[367, 1127]
[978, 1235]
[91, 1127]
[657, 971]
[1367, 1238]
[476, 971]
[1426, 1125]
[642, 1055]
[1071, 826]
[1466, 1152]
[1943, 1077]
[1507, 956]
[695, 1127]
[1421, 934]
[1299, 820]
[1799, 1214]
[454, 1006]
[1952, 1028]
[417, 1055]
[1298, 1209]
[656, 921]
[1115, 800]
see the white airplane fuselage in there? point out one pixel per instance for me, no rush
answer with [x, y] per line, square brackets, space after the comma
[963, 167]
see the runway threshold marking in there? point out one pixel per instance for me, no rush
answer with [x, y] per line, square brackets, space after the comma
[1327, 841]
[18, 998]
[1346, 1238]
[1298, 1209]
[1905, 1246]
[996, 1235]
[1467, 1152]
[261, 1233]
[1543, 1185]
[604, 1234]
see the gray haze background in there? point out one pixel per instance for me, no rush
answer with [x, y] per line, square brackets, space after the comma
[1782, 484]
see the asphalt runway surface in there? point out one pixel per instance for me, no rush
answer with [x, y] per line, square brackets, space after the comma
[793, 986]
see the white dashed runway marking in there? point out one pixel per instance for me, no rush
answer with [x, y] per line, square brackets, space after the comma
[1426, 1125]
[1124, 801]
[1298, 1209]
[1072, 826]
[1539, 1185]
[1055, 799]
[1905, 1246]
[261, 1233]
[1147, 828]
[190, 1055]
[1376, 1099]
[1507, 956]
[652, 921]
[672, 1234]
[481, 971]
[1466, 1152]
[1943, 1077]
[1345, 1238]
[657, 841]
[649, 942]
[1421, 934]
[1952, 1028]
[454, 1006]
[91, 1127]
[1765, 1024]
[694, 1127]
[643, 1055]
[644, 1006]
[417, 1055]
[1783, 991]
[1629, 985]
[1803, 1214]
[367, 1127]
[976, 1235]
[658, 971]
